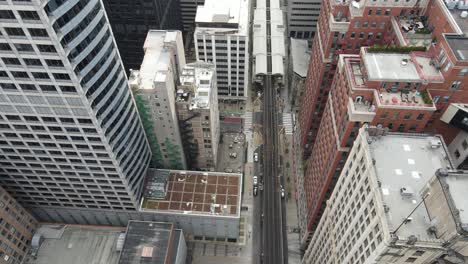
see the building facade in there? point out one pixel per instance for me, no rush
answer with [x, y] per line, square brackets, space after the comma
[155, 87]
[17, 227]
[405, 85]
[131, 21]
[221, 37]
[71, 136]
[384, 211]
[188, 11]
[303, 16]
[198, 114]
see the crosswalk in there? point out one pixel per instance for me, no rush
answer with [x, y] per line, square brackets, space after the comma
[288, 123]
[248, 121]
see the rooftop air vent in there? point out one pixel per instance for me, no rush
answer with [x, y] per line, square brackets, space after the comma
[412, 240]
[406, 191]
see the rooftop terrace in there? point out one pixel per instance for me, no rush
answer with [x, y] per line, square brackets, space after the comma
[223, 16]
[414, 160]
[400, 67]
[194, 192]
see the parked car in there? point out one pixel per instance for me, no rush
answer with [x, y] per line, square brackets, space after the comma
[255, 180]
[255, 157]
[255, 190]
[282, 193]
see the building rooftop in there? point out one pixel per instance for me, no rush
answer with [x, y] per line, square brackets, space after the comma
[195, 192]
[223, 16]
[400, 67]
[457, 182]
[200, 76]
[455, 8]
[159, 46]
[459, 45]
[76, 244]
[149, 243]
[414, 160]
[300, 53]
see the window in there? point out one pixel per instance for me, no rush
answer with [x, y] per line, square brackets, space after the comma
[5, 46]
[378, 12]
[373, 24]
[361, 35]
[462, 72]
[11, 61]
[54, 63]
[7, 14]
[40, 75]
[29, 15]
[445, 99]
[382, 25]
[24, 47]
[387, 12]
[370, 12]
[436, 99]
[356, 24]
[61, 76]
[47, 48]
[419, 253]
[411, 259]
[353, 34]
[33, 62]
[407, 116]
[365, 24]
[455, 85]
[447, 66]
[14, 31]
[420, 117]
[38, 32]
[464, 144]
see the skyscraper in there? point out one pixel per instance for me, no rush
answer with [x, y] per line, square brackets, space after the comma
[405, 84]
[132, 19]
[155, 86]
[71, 137]
[221, 37]
[302, 18]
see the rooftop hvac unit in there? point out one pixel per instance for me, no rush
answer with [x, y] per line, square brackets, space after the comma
[406, 191]
[434, 143]
[386, 208]
[120, 242]
[412, 240]
[36, 241]
[432, 230]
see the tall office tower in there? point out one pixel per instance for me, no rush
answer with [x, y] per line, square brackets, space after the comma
[405, 86]
[188, 11]
[221, 37]
[155, 87]
[18, 228]
[302, 18]
[400, 210]
[132, 19]
[198, 113]
[71, 137]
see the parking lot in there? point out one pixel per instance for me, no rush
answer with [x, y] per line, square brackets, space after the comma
[231, 153]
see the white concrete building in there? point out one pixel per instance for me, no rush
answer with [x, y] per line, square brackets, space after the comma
[188, 10]
[221, 37]
[155, 85]
[198, 113]
[379, 211]
[302, 18]
[71, 137]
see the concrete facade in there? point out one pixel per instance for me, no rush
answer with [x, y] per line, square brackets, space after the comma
[221, 37]
[71, 136]
[303, 16]
[198, 114]
[17, 227]
[155, 86]
[391, 212]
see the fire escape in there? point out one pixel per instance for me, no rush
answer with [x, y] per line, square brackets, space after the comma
[188, 141]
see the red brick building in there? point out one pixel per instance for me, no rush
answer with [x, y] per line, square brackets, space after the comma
[348, 85]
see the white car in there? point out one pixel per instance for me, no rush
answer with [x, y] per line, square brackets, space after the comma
[282, 192]
[256, 157]
[255, 180]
